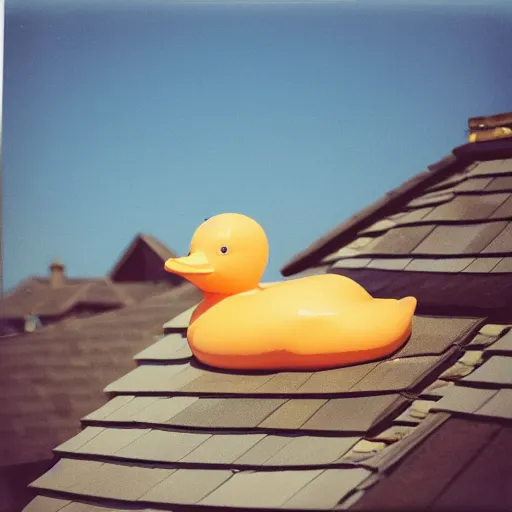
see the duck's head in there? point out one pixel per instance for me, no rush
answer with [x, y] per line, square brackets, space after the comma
[228, 255]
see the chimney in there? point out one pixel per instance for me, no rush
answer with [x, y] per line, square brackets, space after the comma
[56, 274]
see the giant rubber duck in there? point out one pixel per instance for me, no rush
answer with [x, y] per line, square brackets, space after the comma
[310, 323]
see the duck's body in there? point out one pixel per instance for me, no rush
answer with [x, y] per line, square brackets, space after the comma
[311, 323]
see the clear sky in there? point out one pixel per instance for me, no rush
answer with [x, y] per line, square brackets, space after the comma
[122, 117]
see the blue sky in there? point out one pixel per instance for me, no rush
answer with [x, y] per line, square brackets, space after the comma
[121, 117]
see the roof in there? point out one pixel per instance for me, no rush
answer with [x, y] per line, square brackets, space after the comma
[430, 425]
[36, 296]
[53, 377]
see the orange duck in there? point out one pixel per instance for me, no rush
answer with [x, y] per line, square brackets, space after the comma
[310, 323]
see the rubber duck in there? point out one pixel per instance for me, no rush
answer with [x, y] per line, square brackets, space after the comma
[310, 323]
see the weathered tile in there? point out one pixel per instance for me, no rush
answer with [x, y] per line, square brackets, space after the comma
[494, 330]
[181, 321]
[416, 412]
[505, 265]
[473, 185]
[67, 473]
[131, 409]
[381, 225]
[223, 449]
[357, 414]
[498, 406]
[121, 481]
[219, 382]
[153, 378]
[111, 440]
[434, 335]
[309, 450]
[502, 241]
[463, 399]
[395, 452]
[505, 210]
[360, 243]
[163, 409]
[459, 239]
[415, 215]
[392, 434]
[497, 371]
[163, 446]
[500, 183]
[328, 489]
[400, 240]
[431, 199]
[503, 345]
[439, 264]
[389, 263]
[352, 263]
[339, 380]
[292, 414]
[46, 504]
[285, 382]
[482, 265]
[398, 374]
[80, 439]
[172, 347]
[263, 450]
[227, 413]
[473, 207]
[111, 406]
[490, 167]
[344, 252]
[260, 489]
[438, 388]
[187, 486]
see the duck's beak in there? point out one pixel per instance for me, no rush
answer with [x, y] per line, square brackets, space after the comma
[195, 263]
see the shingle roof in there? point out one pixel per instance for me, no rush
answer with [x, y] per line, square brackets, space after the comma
[177, 434]
[51, 378]
[36, 296]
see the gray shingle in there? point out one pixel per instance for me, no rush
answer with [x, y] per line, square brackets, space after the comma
[455, 240]
[499, 406]
[309, 450]
[293, 414]
[464, 399]
[357, 414]
[163, 446]
[45, 504]
[187, 486]
[223, 449]
[173, 347]
[120, 481]
[468, 208]
[111, 440]
[180, 322]
[327, 489]
[260, 489]
[80, 439]
[497, 371]
[263, 450]
[227, 413]
[501, 242]
[503, 345]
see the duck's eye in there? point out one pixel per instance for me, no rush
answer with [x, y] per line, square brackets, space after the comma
[224, 250]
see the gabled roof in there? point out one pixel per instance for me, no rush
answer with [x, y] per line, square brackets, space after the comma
[142, 243]
[416, 428]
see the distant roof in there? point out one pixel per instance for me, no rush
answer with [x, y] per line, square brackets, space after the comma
[36, 296]
[428, 426]
[51, 378]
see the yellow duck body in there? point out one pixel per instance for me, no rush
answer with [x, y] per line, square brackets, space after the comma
[311, 323]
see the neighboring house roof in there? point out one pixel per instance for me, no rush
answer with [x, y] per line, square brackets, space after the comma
[424, 427]
[37, 296]
[51, 378]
